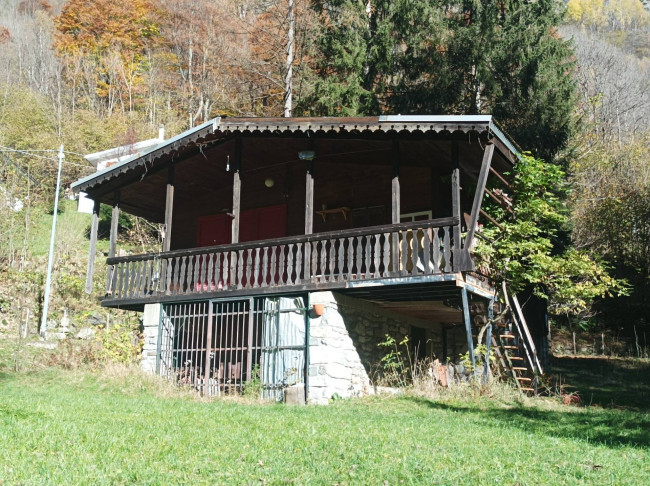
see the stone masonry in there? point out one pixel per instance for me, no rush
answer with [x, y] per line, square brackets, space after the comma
[150, 324]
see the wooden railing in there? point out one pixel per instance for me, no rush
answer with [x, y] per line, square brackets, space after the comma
[309, 261]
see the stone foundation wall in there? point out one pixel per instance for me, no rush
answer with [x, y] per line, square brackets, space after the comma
[344, 346]
[150, 328]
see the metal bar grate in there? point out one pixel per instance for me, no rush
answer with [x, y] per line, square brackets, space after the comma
[221, 347]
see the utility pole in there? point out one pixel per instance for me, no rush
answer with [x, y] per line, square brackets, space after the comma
[50, 260]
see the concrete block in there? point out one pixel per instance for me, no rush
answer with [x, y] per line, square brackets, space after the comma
[295, 394]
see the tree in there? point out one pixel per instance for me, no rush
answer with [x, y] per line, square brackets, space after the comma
[104, 45]
[528, 250]
[456, 57]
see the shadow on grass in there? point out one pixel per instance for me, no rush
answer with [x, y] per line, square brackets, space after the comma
[609, 427]
[608, 382]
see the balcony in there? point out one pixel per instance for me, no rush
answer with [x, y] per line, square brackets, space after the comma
[404, 253]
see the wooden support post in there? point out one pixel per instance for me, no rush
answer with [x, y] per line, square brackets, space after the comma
[93, 248]
[468, 329]
[236, 191]
[395, 206]
[309, 199]
[112, 245]
[115, 216]
[488, 342]
[396, 197]
[455, 207]
[169, 210]
[478, 195]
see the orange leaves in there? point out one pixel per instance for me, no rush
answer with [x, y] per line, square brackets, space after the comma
[98, 25]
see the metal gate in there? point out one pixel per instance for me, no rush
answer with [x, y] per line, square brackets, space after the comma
[224, 346]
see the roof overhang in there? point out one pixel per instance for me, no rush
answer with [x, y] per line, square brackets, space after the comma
[326, 126]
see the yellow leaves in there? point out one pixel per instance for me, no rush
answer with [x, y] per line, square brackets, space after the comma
[598, 13]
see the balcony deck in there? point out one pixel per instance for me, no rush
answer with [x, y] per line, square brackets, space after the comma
[397, 254]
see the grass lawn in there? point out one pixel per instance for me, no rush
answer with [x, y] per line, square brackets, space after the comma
[605, 381]
[74, 428]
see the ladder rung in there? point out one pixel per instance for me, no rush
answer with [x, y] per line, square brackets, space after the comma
[527, 389]
[523, 378]
[507, 336]
[519, 368]
[510, 347]
[516, 357]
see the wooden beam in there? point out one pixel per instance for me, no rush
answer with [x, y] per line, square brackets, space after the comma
[309, 199]
[115, 216]
[112, 245]
[478, 195]
[455, 207]
[396, 196]
[395, 207]
[93, 248]
[468, 329]
[169, 209]
[236, 191]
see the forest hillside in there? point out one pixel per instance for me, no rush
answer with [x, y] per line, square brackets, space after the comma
[569, 81]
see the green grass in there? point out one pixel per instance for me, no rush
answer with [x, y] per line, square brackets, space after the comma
[71, 227]
[607, 382]
[81, 428]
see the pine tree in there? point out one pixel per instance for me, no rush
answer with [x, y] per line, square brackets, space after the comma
[449, 57]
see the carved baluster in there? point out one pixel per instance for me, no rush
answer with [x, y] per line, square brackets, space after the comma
[404, 246]
[377, 255]
[256, 269]
[211, 281]
[249, 269]
[314, 263]
[359, 259]
[282, 268]
[181, 283]
[240, 268]
[415, 249]
[386, 254]
[350, 258]
[196, 273]
[323, 261]
[332, 261]
[265, 266]
[298, 262]
[203, 268]
[341, 262]
[446, 248]
[225, 270]
[274, 266]
[290, 264]
[426, 250]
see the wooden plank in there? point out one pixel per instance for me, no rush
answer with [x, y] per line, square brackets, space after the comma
[112, 246]
[395, 193]
[169, 209]
[455, 205]
[478, 195]
[524, 325]
[468, 329]
[236, 206]
[309, 199]
[115, 216]
[90, 270]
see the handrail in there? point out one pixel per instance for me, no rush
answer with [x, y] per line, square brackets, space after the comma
[368, 230]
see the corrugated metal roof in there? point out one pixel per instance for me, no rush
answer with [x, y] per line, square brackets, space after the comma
[384, 123]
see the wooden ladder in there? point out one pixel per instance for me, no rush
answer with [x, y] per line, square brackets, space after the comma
[515, 347]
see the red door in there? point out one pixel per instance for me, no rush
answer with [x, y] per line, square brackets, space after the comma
[254, 225]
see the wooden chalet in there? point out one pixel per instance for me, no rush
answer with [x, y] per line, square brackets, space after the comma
[284, 236]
